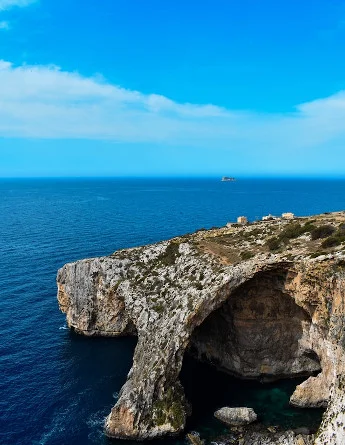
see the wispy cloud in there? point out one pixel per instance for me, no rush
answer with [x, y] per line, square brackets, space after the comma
[5, 5]
[46, 102]
[8, 4]
[4, 25]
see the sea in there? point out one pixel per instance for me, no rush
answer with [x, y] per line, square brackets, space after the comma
[56, 387]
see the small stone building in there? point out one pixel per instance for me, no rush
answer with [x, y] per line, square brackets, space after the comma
[268, 217]
[242, 220]
[288, 215]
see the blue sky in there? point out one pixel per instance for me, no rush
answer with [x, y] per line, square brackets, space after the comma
[133, 87]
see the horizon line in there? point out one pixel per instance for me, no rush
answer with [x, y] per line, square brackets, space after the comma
[219, 177]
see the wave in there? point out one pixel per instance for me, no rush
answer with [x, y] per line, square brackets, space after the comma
[96, 424]
[57, 427]
[96, 419]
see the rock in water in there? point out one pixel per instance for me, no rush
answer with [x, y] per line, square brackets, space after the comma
[236, 416]
[195, 439]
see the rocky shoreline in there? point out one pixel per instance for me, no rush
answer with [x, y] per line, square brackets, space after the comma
[256, 434]
[263, 300]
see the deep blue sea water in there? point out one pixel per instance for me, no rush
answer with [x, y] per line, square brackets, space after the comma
[56, 387]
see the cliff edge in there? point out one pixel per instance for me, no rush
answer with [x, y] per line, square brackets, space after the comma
[264, 300]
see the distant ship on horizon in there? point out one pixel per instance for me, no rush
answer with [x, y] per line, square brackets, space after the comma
[228, 179]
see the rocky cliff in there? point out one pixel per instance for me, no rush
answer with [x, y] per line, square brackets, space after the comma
[265, 300]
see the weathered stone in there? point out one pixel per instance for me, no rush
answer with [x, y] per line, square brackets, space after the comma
[272, 429]
[271, 316]
[236, 416]
[255, 434]
[281, 438]
[195, 439]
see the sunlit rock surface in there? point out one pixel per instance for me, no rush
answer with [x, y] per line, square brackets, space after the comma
[236, 416]
[260, 301]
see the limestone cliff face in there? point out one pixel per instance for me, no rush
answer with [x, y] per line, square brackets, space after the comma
[273, 315]
[87, 293]
[332, 430]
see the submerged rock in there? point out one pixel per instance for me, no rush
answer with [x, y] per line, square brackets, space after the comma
[236, 416]
[231, 301]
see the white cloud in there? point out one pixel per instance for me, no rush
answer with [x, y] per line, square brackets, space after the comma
[4, 25]
[8, 4]
[46, 102]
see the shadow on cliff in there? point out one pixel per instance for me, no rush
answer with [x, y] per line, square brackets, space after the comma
[259, 332]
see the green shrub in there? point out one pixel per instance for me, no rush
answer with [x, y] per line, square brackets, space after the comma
[336, 238]
[322, 232]
[273, 243]
[246, 255]
[158, 308]
[341, 228]
[295, 230]
[168, 257]
[331, 241]
[309, 226]
[291, 231]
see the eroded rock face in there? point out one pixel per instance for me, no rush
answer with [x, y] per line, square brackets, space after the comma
[96, 307]
[259, 332]
[332, 430]
[277, 317]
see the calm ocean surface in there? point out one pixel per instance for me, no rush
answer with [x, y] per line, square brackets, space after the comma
[56, 387]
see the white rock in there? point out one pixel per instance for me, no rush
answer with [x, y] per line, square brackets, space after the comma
[236, 416]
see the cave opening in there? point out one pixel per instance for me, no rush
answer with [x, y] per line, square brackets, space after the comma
[208, 389]
[252, 351]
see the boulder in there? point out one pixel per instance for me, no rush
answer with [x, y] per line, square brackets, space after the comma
[236, 416]
[194, 438]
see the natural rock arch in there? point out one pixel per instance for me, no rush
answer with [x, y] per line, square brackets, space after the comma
[165, 291]
[152, 401]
